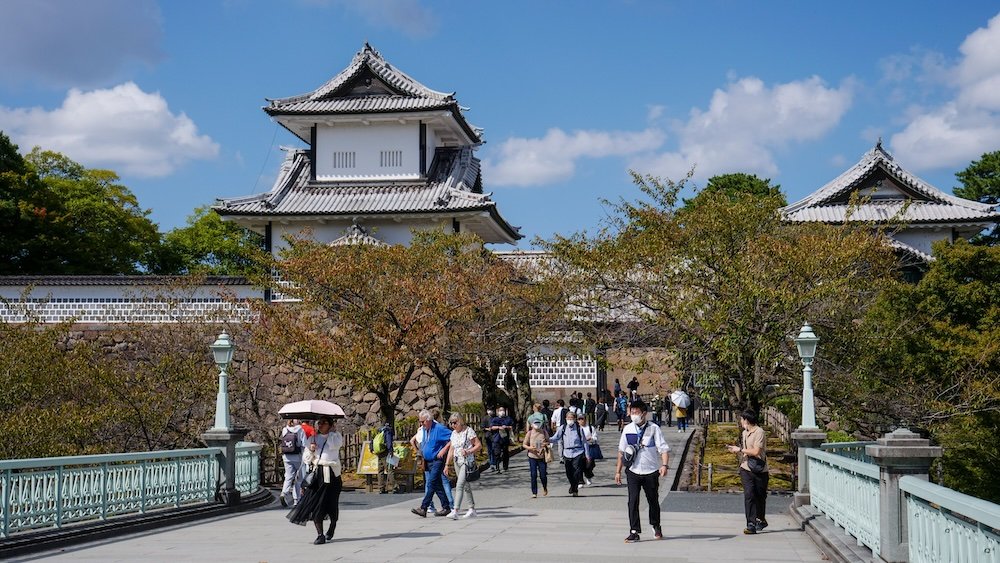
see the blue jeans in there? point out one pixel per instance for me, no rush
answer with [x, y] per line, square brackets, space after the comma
[435, 470]
[538, 469]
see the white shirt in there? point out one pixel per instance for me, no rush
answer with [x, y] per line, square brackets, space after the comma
[556, 416]
[331, 451]
[462, 440]
[589, 433]
[648, 459]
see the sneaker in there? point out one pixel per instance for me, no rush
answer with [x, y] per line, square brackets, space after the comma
[545, 492]
[470, 514]
[760, 524]
[632, 538]
[284, 503]
[657, 533]
[750, 529]
[587, 481]
[421, 512]
[534, 495]
[575, 493]
[453, 514]
[442, 512]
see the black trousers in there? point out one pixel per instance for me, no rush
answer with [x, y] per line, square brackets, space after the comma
[649, 484]
[502, 452]
[574, 471]
[754, 494]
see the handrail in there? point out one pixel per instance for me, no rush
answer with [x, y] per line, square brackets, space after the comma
[977, 509]
[843, 462]
[33, 463]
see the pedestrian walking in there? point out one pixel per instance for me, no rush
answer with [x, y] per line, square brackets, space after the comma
[590, 435]
[681, 414]
[621, 409]
[462, 456]
[575, 451]
[536, 444]
[633, 389]
[503, 425]
[644, 456]
[753, 471]
[618, 387]
[558, 415]
[536, 416]
[291, 442]
[602, 415]
[321, 500]
[434, 448]
[589, 406]
[488, 435]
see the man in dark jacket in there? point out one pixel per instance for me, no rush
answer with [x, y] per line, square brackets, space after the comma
[503, 427]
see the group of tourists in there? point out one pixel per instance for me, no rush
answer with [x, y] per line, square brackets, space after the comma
[564, 433]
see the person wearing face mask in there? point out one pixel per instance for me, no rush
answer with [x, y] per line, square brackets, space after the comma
[590, 435]
[488, 435]
[502, 425]
[535, 442]
[575, 451]
[649, 452]
[537, 416]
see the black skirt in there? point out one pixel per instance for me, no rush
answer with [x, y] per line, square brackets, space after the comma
[318, 504]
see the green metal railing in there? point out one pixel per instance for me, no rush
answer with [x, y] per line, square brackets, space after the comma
[852, 450]
[944, 525]
[54, 492]
[847, 491]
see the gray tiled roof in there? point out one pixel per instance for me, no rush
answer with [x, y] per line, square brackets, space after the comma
[336, 95]
[927, 204]
[49, 281]
[453, 185]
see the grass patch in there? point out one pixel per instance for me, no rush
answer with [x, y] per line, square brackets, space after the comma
[726, 465]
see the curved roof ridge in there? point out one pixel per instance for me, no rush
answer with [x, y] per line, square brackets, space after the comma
[878, 155]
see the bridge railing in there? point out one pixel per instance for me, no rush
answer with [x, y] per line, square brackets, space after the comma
[852, 450]
[944, 525]
[847, 491]
[58, 491]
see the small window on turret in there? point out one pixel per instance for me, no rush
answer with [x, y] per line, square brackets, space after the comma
[343, 159]
[391, 159]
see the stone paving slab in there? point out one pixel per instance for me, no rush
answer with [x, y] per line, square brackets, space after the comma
[511, 526]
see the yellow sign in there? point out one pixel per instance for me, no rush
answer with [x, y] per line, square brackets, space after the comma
[368, 463]
[407, 459]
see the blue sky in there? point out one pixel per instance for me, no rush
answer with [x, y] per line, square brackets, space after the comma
[571, 94]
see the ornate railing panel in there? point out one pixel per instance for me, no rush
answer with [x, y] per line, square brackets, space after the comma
[247, 467]
[852, 450]
[847, 491]
[944, 525]
[53, 492]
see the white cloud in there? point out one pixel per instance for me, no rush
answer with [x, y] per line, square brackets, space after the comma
[72, 43]
[739, 131]
[745, 123]
[552, 158]
[122, 128]
[963, 128]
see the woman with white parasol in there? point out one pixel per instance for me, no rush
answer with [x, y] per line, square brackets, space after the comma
[681, 402]
[322, 486]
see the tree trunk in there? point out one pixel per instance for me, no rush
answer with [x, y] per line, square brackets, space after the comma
[524, 400]
[442, 376]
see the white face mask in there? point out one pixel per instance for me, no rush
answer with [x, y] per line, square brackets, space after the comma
[636, 418]
[502, 413]
[570, 422]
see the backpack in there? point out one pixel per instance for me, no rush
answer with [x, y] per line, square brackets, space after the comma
[378, 444]
[290, 443]
[562, 416]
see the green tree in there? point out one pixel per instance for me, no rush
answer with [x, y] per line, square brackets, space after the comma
[723, 283]
[208, 245]
[981, 182]
[735, 184]
[27, 208]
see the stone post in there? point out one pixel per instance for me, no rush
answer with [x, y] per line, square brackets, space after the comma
[226, 439]
[805, 438]
[898, 453]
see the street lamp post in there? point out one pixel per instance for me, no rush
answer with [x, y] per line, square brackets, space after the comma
[806, 343]
[224, 435]
[222, 350]
[807, 435]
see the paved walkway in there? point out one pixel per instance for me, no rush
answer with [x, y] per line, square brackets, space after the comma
[511, 526]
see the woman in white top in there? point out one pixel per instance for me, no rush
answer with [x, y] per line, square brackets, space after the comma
[322, 500]
[590, 435]
[464, 445]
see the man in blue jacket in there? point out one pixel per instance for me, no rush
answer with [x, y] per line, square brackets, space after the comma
[434, 449]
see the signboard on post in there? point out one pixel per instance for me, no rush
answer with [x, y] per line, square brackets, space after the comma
[367, 461]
